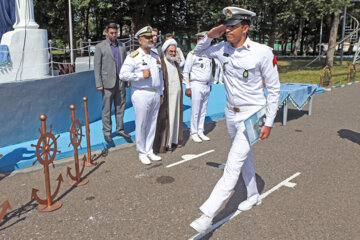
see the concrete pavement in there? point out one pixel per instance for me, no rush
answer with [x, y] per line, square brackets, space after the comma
[127, 200]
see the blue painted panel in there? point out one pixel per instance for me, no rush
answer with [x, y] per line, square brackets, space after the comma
[21, 104]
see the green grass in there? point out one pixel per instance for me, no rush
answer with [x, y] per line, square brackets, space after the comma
[293, 70]
[55, 52]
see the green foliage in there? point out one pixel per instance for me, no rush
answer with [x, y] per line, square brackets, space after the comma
[277, 21]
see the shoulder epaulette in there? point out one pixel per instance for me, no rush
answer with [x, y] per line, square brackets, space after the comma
[134, 54]
[192, 51]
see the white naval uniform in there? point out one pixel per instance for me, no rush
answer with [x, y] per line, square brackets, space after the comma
[244, 70]
[218, 78]
[145, 95]
[200, 71]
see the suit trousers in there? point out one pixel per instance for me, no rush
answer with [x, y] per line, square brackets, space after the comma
[146, 107]
[199, 101]
[239, 161]
[116, 95]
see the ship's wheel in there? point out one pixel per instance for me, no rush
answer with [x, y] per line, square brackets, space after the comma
[46, 148]
[76, 133]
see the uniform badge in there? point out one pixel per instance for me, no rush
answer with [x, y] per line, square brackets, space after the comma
[274, 61]
[223, 67]
[202, 65]
[134, 54]
[225, 54]
[246, 74]
[228, 14]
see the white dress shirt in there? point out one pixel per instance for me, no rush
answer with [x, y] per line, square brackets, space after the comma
[133, 67]
[198, 68]
[244, 69]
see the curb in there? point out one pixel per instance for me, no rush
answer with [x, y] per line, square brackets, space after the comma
[328, 89]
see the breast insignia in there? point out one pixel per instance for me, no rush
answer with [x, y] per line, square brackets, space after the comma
[223, 67]
[246, 74]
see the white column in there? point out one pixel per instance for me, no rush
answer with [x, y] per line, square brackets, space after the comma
[25, 15]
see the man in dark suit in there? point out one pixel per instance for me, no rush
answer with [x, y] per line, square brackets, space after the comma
[109, 57]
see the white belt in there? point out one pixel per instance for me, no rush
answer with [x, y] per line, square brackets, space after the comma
[201, 82]
[242, 108]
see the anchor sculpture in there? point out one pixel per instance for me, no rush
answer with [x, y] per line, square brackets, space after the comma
[89, 162]
[46, 150]
[5, 206]
[2, 175]
[75, 140]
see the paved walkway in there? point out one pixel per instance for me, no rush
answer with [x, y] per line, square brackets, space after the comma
[127, 200]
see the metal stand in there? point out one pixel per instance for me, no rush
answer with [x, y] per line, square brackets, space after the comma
[310, 105]
[46, 149]
[1, 175]
[89, 162]
[75, 140]
[285, 113]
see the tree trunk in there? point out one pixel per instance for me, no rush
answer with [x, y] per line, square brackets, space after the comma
[332, 39]
[284, 47]
[87, 23]
[272, 38]
[188, 41]
[292, 41]
[299, 36]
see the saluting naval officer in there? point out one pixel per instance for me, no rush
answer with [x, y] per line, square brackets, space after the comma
[143, 69]
[245, 64]
[197, 75]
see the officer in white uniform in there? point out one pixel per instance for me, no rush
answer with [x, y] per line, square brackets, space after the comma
[245, 64]
[143, 69]
[198, 87]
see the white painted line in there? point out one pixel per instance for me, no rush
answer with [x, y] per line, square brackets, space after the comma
[285, 183]
[189, 157]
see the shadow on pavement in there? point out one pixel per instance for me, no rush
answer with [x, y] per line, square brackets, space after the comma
[29, 206]
[350, 135]
[293, 114]
[237, 197]
[85, 176]
[208, 127]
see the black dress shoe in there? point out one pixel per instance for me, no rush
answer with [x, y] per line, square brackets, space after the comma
[123, 134]
[108, 139]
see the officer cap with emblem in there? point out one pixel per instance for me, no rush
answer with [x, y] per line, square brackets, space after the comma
[145, 31]
[235, 15]
[201, 34]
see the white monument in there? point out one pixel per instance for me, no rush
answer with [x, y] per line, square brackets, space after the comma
[28, 46]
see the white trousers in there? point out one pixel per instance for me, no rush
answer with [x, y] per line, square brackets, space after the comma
[239, 161]
[146, 107]
[199, 101]
[219, 75]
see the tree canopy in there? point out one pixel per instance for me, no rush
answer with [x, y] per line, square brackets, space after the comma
[291, 25]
